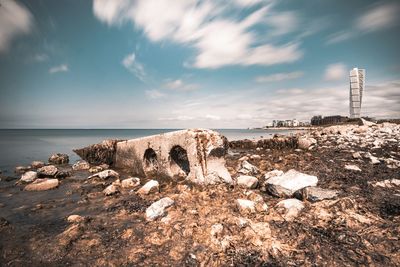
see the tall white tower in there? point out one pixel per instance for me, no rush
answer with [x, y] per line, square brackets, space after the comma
[357, 81]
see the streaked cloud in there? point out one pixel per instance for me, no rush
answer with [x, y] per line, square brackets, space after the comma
[15, 20]
[199, 24]
[180, 85]
[335, 72]
[132, 65]
[60, 68]
[277, 77]
[154, 94]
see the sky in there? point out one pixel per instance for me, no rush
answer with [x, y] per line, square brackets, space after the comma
[191, 63]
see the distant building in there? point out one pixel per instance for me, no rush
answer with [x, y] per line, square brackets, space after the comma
[319, 120]
[357, 82]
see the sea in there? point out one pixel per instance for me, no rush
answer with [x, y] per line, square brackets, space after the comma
[22, 146]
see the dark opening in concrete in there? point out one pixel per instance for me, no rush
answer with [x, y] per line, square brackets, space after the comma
[179, 157]
[150, 160]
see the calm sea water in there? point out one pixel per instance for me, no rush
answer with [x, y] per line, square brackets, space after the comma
[21, 147]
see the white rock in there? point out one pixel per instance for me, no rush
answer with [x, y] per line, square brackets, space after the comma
[306, 142]
[246, 206]
[131, 182]
[81, 165]
[151, 186]
[110, 190]
[352, 168]
[255, 157]
[75, 218]
[290, 208]
[157, 209]
[248, 169]
[42, 184]
[247, 181]
[273, 174]
[290, 182]
[216, 230]
[374, 160]
[357, 155]
[105, 174]
[29, 177]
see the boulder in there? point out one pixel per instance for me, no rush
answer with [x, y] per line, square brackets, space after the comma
[105, 174]
[81, 165]
[131, 182]
[290, 208]
[290, 182]
[151, 186]
[248, 169]
[42, 184]
[29, 177]
[157, 209]
[47, 171]
[111, 190]
[314, 194]
[59, 159]
[306, 142]
[247, 181]
[351, 167]
[37, 164]
[246, 206]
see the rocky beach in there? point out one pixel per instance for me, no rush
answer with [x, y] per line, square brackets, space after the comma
[326, 197]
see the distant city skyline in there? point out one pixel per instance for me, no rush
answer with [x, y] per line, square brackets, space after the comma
[194, 63]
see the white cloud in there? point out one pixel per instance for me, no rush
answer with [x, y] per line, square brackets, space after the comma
[212, 117]
[335, 72]
[179, 85]
[40, 57]
[154, 94]
[15, 20]
[277, 77]
[60, 68]
[199, 24]
[248, 3]
[377, 17]
[131, 64]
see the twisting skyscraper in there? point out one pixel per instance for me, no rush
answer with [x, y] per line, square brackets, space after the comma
[357, 81]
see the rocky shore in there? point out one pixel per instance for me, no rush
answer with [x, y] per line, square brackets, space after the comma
[327, 197]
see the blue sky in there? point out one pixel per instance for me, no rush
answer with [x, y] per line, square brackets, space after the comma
[178, 64]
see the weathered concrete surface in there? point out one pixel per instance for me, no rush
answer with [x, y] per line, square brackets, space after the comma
[190, 154]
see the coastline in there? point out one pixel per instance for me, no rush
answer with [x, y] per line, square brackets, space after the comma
[206, 226]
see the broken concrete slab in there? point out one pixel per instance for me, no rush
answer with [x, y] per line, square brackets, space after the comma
[290, 182]
[191, 154]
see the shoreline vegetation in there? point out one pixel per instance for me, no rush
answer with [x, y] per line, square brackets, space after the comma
[330, 195]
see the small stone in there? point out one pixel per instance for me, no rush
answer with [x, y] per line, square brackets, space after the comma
[246, 206]
[216, 230]
[290, 208]
[151, 186]
[37, 164]
[81, 165]
[262, 229]
[95, 169]
[131, 182]
[255, 157]
[47, 171]
[62, 174]
[110, 190]
[59, 159]
[248, 169]
[29, 177]
[75, 218]
[157, 209]
[374, 160]
[352, 168]
[105, 174]
[314, 194]
[357, 155]
[247, 181]
[42, 184]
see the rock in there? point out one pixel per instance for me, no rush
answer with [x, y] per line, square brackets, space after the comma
[306, 142]
[374, 160]
[131, 182]
[62, 174]
[352, 168]
[37, 164]
[290, 182]
[47, 171]
[151, 186]
[105, 174]
[387, 183]
[248, 169]
[357, 155]
[42, 184]
[75, 218]
[81, 165]
[59, 159]
[29, 177]
[273, 174]
[246, 206]
[216, 230]
[247, 181]
[255, 157]
[111, 190]
[262, 229]
[314, 194]
[290, 208]
[21, 169]
[157, 209]
[96, 169]
[366, 123]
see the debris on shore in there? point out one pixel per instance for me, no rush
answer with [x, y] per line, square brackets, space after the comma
[325, 197]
